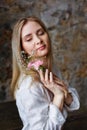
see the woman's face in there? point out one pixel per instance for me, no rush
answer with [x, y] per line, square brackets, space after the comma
[34, 38]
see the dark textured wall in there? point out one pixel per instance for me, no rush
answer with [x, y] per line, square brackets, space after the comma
[67, 24]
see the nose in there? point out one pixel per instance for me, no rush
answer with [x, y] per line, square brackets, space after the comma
[37, 39]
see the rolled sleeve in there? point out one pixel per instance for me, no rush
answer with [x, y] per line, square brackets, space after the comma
[75, 105]
[56, 115]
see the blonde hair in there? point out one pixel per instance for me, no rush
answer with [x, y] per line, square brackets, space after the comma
[16, 51]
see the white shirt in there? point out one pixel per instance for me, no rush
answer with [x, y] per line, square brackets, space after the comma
[34, 103]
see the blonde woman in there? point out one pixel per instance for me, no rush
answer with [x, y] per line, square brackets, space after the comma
[42, 98]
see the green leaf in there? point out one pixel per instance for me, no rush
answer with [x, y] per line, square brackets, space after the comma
[42, 68]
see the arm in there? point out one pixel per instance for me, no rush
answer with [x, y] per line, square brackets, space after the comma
[62, 94]
[55, 85]
[71, 97]
[68, 99]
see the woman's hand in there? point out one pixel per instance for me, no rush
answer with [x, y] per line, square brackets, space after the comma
[57, 87]
[68, 96]
[53, 83]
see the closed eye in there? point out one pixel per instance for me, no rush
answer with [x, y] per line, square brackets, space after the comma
[28, 39]
[40, 32]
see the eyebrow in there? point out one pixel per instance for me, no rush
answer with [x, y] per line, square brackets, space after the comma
[27, 35]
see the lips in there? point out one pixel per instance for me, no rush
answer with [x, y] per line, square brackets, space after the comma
[41, 47]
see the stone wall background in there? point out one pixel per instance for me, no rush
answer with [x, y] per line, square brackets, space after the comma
[66, 21]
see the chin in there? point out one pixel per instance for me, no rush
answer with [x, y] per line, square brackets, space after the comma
[43, 53]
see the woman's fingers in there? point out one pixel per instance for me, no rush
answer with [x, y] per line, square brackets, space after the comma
[51, 77]
[59, 81]
[41, 75]
[46, 75]
[61, 85]
[46, 78]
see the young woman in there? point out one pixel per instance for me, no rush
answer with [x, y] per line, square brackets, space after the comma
[42, 98]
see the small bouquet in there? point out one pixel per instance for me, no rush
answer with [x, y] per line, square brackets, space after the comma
[37, 65]
[30, 62]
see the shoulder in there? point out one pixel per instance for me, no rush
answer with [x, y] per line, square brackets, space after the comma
[28, 86]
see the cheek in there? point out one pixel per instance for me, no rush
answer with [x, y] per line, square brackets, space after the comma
[27, 48]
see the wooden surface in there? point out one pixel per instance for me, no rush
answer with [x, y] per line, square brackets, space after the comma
[76, 121]
[9, 118]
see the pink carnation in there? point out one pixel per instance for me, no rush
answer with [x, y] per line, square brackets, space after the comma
[35, 64]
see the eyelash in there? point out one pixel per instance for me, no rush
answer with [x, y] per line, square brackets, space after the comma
[41, 32]
[29, 39]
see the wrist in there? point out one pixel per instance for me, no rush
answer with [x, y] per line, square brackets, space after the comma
[58, 100]
[68, 100]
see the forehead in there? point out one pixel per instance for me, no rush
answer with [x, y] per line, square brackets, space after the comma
[30, 27]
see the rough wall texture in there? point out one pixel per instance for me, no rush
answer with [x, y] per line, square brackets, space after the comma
[66, 21]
